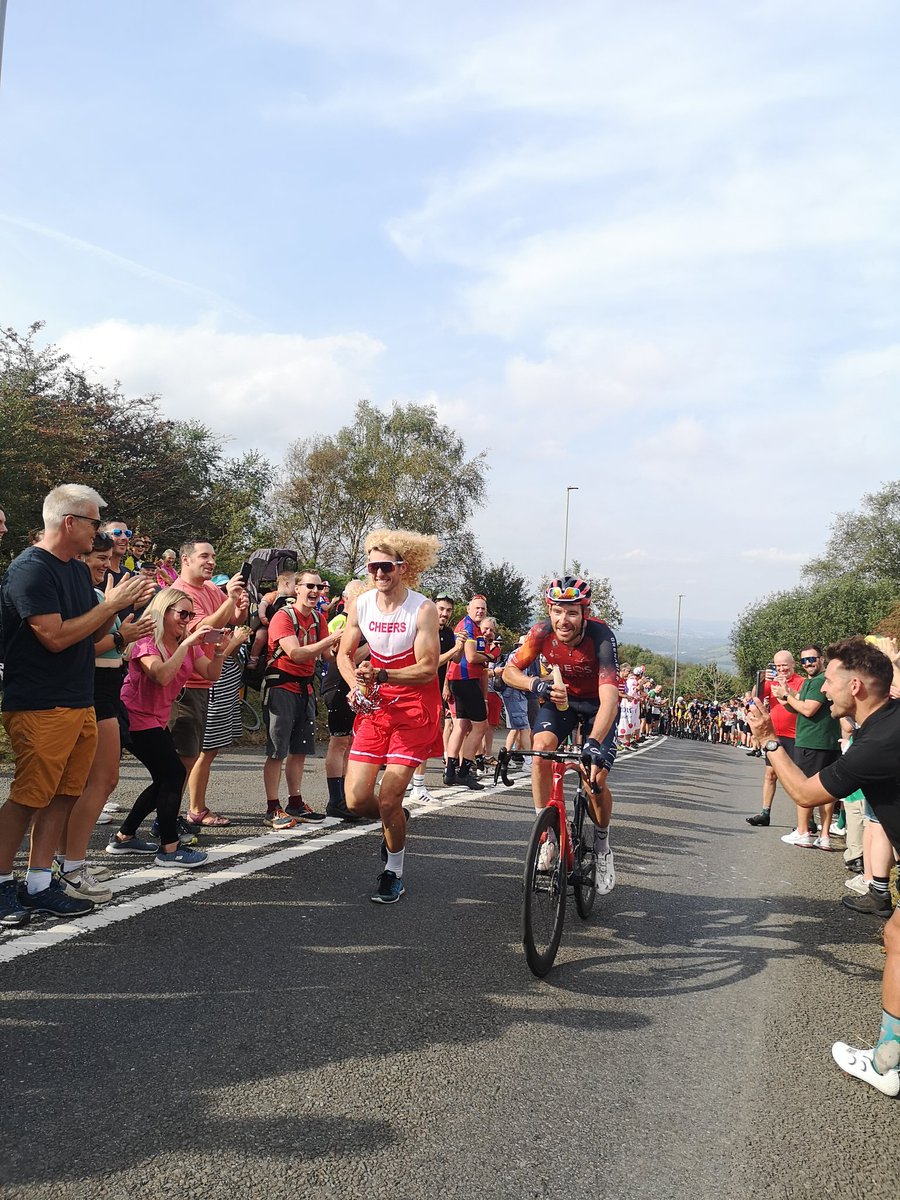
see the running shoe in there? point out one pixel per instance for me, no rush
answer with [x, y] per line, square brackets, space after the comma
[858, 884]
[277, 818]
[860, 1065]
[84, 885]
[604, 873]
[303, 813]
[390, 888]
[102, 873]
[111, 807]
[823, 842]
[105, 818]
[181, 857]
[132, 845]
[11, 911]
[54, 901]
[804, 841]
[186, 834]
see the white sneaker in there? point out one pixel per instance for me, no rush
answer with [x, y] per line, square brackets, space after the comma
[547, 856]
[859, 884]
[420, 796]
[859, 1064]
[835, 830]
[111, 807]
[84, 886]
[604, 873]
[804, 840]
[823, 842]
[105, 818]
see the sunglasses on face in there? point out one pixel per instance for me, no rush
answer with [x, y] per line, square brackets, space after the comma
[313, 587]
[95, 521]
[385, 567]
[809, 659]
[119, 532]
[183, 614]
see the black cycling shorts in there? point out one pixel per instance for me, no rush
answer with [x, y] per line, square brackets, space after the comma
[470, 702]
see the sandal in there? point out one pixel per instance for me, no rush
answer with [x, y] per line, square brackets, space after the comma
[205, 818]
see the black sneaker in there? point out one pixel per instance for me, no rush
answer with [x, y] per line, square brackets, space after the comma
[760, 818]
[11, 911]
[302, 812]
[855, 865]
[341, 811]
[53, 900]
[874, 904]
[390, 889]
[468, 780]
[450, 776]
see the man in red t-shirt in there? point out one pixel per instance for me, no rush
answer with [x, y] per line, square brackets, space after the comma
[784, 721]
[298, 635]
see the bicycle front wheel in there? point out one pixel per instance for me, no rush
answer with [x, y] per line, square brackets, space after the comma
[544, 904]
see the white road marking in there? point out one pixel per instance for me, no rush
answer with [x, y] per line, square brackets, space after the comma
[191, 883]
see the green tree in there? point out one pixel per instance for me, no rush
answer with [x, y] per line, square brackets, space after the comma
[660, 667]
[707, 681]
[401, 470]
[863, 544]
[802, 616]
[171, 479]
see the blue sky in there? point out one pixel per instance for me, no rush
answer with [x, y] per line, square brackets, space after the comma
[650, 251]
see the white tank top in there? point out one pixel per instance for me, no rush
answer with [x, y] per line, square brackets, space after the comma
[391, 636]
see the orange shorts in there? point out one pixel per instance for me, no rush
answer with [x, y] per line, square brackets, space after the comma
[54, 750]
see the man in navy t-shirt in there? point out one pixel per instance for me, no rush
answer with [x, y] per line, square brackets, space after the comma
[50, 618]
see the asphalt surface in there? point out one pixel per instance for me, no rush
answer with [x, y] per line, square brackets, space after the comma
[259, 1029]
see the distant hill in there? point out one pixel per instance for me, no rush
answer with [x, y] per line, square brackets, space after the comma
[701, 641]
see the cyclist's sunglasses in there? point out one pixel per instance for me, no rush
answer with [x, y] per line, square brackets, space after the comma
[385, 567]
[568, 593]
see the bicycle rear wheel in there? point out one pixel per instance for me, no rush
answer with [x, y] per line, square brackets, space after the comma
[250, 718]
[544, 905]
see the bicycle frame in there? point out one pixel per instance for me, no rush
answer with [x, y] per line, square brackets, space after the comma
[563, 761]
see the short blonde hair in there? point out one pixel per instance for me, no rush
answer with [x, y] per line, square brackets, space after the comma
[418, 551]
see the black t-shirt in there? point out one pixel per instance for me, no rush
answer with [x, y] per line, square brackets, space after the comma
[872, 764]
[447, 640]
[36, 584]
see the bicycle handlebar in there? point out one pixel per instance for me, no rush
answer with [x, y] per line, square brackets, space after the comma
[561, 756]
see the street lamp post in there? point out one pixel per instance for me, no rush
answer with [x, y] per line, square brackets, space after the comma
[566, 534]
[677, 645]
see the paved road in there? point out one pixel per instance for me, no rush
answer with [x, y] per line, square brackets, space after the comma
[272, 1033]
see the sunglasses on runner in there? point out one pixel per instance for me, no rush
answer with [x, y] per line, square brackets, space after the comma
[183, 614]
[385, 567]
[119, 532]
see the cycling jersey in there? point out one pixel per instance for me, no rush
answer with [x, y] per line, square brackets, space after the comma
[465, 669]
[585, 666]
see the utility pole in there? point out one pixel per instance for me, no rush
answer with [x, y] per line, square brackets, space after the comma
[2, 26]
[565, 569]
[677, 645]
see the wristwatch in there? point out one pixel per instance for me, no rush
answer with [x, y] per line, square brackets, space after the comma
[381, 675]
[771, 744]
[118, 641]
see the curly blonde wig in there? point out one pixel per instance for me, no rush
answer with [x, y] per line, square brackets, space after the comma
[418, 551]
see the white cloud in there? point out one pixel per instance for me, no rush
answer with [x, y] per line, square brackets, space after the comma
[774, 554]
[262, 390]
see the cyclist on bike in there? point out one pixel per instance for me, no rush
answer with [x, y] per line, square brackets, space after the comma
[584, 649]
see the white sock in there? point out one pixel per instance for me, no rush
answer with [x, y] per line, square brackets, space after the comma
[395, 862]
[72, 864]
[37, 879]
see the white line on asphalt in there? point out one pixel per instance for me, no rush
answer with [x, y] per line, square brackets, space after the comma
[302, 844]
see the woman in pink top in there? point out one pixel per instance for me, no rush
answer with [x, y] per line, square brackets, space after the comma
[157, 670]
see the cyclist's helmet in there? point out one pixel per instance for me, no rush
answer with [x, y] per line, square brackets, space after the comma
[569, 591]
